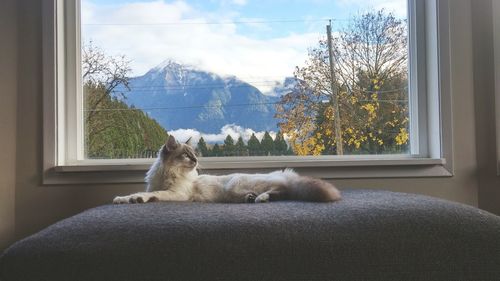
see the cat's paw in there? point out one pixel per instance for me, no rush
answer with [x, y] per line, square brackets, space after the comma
[262, 198]
[250, 197]
[135, 198]
[121, 200]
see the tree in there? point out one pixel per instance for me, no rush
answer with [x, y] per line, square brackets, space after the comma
[370, 77]
[113, 129]
[216, 151]
[202, 147]
[229, 148]
[102, 71]
[241, 148]
[118, 131]
[254, 146]
[280, 146]
[267, 144]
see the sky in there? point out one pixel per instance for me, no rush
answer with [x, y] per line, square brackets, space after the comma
[258, 41]
[255, 40]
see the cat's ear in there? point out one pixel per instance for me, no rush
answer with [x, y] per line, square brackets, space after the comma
[188, 142]
[171, 144]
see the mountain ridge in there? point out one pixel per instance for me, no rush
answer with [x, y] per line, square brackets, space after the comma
[183, 97]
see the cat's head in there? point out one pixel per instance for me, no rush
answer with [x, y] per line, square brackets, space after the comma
[177, 155]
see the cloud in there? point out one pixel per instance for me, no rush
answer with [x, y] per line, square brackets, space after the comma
[193, 37]
[398, 7]
[182, 135]
[235, 131]
[240, 2]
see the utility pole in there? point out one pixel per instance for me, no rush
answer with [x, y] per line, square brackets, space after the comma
[335, 100]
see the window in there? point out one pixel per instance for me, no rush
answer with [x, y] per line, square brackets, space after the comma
[338, 85]
[245, 78]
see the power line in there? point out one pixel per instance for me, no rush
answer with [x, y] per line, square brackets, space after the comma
[384, 91]
[156, 88]
[213, 106]
[212, 22]
[182, 107]
[398, 101]
[245, 84]
[208, 85]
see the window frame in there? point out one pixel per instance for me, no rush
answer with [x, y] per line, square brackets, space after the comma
[431, 149]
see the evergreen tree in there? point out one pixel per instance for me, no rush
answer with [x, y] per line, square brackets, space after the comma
[267, 144]
[280, 146]
[216, 151]
[202, 147]
[241, 148]
[229, 148]
[254, 146]
[116, 130]
[113, 129]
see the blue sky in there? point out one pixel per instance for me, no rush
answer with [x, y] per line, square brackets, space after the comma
[280, 8]
[255, 40]
[272, 9]
[313, 12]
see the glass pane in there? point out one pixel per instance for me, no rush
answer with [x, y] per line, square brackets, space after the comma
[245, 78]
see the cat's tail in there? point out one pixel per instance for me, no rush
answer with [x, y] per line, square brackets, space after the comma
[314, 190]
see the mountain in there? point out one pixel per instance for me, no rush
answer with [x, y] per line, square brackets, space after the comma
[179, 96]
[283, 88]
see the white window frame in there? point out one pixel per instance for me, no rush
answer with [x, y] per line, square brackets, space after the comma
[431, 149]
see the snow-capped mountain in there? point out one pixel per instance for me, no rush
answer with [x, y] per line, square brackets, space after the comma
[283, 88]
[180, 96]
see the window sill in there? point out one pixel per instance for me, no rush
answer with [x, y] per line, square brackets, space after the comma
[102, 171]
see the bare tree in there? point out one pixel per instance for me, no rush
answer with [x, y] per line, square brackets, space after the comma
[373, 47]
[370, 56]
[102, 71]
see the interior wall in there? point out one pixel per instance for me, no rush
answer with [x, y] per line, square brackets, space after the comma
[484, 87]
[37, 206]
[8, 104]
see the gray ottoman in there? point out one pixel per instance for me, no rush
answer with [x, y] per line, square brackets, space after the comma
[369, 235]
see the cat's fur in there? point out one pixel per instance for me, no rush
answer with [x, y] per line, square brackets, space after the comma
[173, 177]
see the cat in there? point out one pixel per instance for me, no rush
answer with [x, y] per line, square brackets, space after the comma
[174, 177]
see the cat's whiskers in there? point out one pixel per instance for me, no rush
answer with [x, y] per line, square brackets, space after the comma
[199, 168]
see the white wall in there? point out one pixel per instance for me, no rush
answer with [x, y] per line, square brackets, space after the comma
[37, 206]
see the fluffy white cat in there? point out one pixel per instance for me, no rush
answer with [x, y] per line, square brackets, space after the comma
[174, 177]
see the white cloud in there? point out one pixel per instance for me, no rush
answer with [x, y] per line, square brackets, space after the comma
[190, 37]
[235, 131]
[225, 3]
[398, 7]
[182, 135]
[240, 2]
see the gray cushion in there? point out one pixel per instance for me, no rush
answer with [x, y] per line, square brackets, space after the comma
[369, 235]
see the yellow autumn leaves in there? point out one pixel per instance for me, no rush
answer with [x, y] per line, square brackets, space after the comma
[368, 124]
[370, 83]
